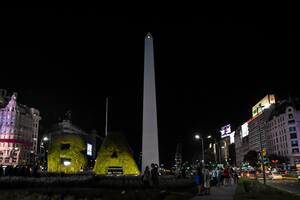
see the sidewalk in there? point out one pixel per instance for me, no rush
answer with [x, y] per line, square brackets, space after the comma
[219, 193]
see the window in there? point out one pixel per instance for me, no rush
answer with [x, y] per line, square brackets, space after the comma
[291, 116]
[289, 110]
[291, 122]
[65, 146]
[293, 135]
[295, 150]
[294, 143]
[291, 129]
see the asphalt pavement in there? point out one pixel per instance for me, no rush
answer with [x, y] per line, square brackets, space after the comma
[286, 185]
[219, 193]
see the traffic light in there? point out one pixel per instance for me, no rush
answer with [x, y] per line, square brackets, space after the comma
[264, 152]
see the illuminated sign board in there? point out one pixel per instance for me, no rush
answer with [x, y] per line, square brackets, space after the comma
[232, 137]
[89, 150]
[263, 104]
[225, 131]
[245, 130]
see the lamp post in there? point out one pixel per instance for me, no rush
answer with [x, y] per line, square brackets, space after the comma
[261, 150]
[198, 137]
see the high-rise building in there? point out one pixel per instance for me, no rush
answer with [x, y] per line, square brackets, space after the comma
[283, 130]
[19, 127]
[150, 130]
[257, 125]
[178, 157]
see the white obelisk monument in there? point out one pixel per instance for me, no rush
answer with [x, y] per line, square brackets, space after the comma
[150, 133]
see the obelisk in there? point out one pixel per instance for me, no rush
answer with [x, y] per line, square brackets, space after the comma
[150, 132]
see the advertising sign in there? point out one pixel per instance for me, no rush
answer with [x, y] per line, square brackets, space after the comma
[263, 104]
[245, 130]
[89, 150]
[225, 131]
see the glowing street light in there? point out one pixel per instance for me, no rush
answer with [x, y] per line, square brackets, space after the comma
[45, 138]
[198, 137]
[209, 136]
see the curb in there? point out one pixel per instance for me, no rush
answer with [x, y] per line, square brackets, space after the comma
[289, 178]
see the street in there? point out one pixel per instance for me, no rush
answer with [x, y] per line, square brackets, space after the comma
[286, 185]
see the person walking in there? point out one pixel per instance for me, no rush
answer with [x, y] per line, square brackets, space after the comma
[206, 181]
[219, 177]
[226, 176]
[199, 180]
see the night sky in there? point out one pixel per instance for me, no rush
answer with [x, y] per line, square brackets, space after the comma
[210, 71]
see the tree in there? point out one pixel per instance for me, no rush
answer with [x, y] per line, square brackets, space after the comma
[252, 158]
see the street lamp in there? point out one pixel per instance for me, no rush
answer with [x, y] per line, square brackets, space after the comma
[198, 137]
[261, 149]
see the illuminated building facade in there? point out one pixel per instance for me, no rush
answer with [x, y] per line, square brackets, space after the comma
[19, 127]
[283, 130]
[257, 124]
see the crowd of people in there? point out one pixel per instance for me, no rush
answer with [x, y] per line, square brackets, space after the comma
[19, 170]
[205, 178]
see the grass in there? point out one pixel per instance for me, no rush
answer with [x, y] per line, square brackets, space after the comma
[95, 194]
[251, 189]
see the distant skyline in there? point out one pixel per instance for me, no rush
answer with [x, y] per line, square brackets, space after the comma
[210, 71]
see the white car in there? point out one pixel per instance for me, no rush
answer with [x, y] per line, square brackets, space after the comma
[275, 176]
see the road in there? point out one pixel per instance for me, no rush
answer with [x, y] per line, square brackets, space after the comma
[286, 185]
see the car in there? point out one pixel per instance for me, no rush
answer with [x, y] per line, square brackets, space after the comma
[276, 176]
[250, 175]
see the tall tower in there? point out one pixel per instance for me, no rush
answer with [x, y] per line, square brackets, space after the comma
[150, 136]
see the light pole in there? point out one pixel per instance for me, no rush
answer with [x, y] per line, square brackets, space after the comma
[198, 137]
[261, 150]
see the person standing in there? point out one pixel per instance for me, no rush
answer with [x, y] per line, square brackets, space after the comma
[146, 177]
[154, 175]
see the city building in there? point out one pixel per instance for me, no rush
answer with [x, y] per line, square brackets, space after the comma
[224, 151]
[19, 127]
[257, 124]
[241, 141]
[283, 130]
[178, 157]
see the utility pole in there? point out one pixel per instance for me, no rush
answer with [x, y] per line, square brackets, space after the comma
[261, 152]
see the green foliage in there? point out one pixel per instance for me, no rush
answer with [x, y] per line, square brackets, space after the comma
[115, 152]
[75, 153]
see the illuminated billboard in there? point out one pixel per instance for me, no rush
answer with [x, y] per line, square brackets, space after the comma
[232, 137]
[245, 130]
[225, 131]
[89, 150]
[263, 104]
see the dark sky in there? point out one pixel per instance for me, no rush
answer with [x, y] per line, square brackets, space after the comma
[210, 71]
